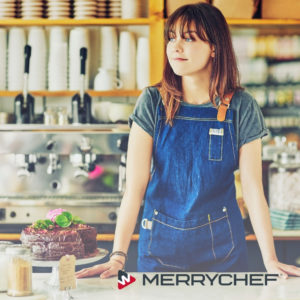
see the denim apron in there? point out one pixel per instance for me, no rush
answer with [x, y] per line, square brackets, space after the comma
[191, 220]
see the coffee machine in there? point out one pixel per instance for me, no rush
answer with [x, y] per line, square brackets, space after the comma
[81, 169]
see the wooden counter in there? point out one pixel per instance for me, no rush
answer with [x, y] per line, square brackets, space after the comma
[278, 236]
[100, 237]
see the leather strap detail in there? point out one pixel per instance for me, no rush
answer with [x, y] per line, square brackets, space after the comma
[224, 105]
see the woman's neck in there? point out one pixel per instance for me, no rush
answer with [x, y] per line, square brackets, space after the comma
[195, 89]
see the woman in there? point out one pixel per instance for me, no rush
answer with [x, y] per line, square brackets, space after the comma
[198, 126]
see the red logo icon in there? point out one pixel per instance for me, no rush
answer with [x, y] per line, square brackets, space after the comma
[124, 279]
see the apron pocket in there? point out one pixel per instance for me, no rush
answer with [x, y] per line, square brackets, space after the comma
[216, 144]
[182, 244]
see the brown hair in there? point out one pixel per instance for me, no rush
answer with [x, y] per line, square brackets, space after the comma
[211, 27]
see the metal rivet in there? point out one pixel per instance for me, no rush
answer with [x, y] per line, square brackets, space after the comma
[155, 212]
[224, 209]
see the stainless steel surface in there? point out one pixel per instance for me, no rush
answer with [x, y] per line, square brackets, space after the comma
[106, 128]
[28, 211]
[46, 167]
[63, 141]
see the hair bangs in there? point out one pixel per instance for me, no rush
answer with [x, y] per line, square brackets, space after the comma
[185, 19]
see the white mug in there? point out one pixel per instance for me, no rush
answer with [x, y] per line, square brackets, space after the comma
[106, 80]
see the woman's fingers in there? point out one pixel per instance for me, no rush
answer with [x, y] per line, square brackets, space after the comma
[95, 270]
[108, 273]
[283, 270]
[290, 269]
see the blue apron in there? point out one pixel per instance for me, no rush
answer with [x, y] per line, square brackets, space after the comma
[191, 220]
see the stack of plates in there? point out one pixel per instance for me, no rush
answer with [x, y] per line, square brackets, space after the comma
[285, 220]
[31, 9]
[114, 9]
[102, 9]
[7, 9]
[58, 9]
[85, 9]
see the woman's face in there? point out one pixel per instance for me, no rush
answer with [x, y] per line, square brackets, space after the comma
[189, 55]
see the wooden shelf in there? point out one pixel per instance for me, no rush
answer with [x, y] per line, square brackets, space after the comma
[263, 22]
[139, 21]
[113, 93]
[252, 237]
[100, 237]
[135, 237]
[74, 22]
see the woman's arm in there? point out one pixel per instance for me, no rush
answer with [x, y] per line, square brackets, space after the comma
[137, 176]
[251, 180]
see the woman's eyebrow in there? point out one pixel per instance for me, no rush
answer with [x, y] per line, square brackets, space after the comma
[190, 31]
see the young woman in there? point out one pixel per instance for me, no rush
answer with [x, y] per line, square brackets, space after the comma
[188, 135]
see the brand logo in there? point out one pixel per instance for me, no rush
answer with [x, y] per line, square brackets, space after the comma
[124, 279]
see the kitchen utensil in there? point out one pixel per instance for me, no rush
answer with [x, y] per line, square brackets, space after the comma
[131, 9]
[16, 44]
[79, 37]
[58, 67]
[106, 80]
[142, 63]
[5, 117]
[120, 112]
[109, 47]
[127, 60]
[2, 59]
[82, 102]
[37, 76]
[24, 103]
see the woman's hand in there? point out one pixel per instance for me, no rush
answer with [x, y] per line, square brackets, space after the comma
[111, 268]
[283, 270]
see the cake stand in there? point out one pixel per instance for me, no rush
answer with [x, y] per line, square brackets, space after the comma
[54, 278]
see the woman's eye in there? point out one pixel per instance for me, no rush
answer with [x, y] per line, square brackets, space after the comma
[188, 39]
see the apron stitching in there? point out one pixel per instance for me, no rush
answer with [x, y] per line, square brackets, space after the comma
[167, 265]
[233, 150]
[231, 239]
[190, 228]
[150, 253]
[216, 159]
[197, 119]
[212, 238]
[150, 241]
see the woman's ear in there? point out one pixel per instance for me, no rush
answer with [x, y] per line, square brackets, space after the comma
[213, 51]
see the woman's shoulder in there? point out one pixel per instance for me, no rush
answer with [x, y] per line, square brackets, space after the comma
[242, 100]
[244, 96]
[153, 92]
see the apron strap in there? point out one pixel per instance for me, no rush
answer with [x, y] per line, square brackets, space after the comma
[224, 105]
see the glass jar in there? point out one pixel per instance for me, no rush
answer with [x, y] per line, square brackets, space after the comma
[284, 178]
[3, 265]
[19, 271]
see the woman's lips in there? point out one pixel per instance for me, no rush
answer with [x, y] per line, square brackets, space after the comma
[179, 59]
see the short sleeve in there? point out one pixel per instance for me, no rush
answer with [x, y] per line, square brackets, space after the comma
[251, 122]
[144, 113]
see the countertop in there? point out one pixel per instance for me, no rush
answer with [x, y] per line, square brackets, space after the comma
[96, 288]
[279, 235]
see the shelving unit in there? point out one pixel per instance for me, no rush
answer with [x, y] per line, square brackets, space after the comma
[155, 21]
[93, 93]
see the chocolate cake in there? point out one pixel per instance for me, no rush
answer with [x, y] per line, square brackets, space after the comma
[52, 244]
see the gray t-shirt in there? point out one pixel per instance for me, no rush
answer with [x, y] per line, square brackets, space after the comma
[247, 117]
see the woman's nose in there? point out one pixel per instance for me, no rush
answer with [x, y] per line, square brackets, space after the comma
[177, 45]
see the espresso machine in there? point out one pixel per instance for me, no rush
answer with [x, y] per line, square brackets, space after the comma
[24, 103]
[82, 102]
[80, 169]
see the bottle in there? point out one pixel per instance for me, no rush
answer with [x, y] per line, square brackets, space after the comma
[3, 265]
[19, 271]
[284, 178]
